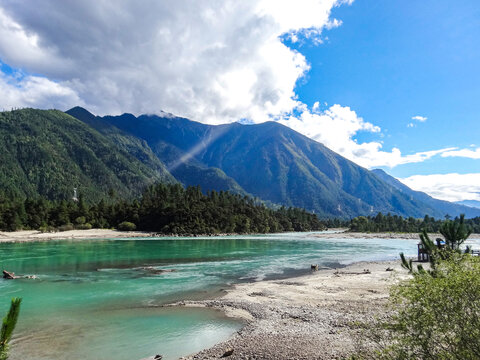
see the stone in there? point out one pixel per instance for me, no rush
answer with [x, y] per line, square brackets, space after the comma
[227, 353]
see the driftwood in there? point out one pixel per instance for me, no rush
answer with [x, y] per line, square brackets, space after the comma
[338, 273]
[8, 275]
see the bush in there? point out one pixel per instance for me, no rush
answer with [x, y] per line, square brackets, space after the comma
[66, 227]
[86, 226]
[47, 229]
[8, 325]
[126, 226]
[80, 220]
[435, 317]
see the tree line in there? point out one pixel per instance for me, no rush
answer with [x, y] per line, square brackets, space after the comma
[163, 208]
[395, 223]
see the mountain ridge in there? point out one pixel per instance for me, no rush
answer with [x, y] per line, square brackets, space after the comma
[446, 207]
[274, 163]
[48, 153]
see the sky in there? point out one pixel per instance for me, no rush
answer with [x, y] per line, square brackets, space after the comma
[386, 83]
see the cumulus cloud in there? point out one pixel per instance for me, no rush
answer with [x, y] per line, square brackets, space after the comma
[450, 187]
[337, 127]
[29, 91]
[214, 61]
[419, 118]
[467, 153]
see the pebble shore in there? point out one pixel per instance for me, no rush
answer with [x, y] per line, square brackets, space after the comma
[309, 317]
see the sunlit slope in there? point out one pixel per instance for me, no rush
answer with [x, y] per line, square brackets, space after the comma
[182, 165]
[274, 163]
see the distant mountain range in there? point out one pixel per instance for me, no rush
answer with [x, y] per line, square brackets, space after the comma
[272, 162]
[471, 203]
[442, 206]
[49, 152]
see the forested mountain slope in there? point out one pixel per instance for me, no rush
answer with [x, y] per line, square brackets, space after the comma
[48, 153]
[273, 163]
[184, 168]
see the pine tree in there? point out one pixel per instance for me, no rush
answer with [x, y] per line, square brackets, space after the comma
[455, 232]
[8, 325]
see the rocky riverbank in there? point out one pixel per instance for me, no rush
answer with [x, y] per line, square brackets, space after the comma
[309, 317]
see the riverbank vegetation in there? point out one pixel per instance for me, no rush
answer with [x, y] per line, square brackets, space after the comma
[436, 313]
[163, 208]
[395, 223]
[8, 325]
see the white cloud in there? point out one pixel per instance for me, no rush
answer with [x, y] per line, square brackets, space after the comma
[411, 125]
[336, 128]
[467, 153]
[214, 61]
[29, 91]
[419, 118]
[450, 187]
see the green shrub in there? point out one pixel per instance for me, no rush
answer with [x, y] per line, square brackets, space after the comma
[86, 226]
[80, 220]
[46, 229]
[66, 227]
[8, 325]
[127, 226]
[434, 317]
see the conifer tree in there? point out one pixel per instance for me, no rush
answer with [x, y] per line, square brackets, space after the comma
[8, 325]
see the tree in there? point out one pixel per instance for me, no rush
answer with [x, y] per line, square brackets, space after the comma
[455, 232]
[8, 325]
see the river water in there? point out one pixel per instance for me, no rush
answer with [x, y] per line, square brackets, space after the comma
[101, 299]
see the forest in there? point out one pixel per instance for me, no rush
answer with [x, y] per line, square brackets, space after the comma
[163, 208]
[395, 223]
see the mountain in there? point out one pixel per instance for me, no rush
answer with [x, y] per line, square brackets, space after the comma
[441, 206]
[188, 171]
[134, 146]
[272, 162]
[470, 203]
[48, 153]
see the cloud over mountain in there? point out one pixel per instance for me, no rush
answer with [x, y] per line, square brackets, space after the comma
[212, 61]
[215, 61]
[450, 187]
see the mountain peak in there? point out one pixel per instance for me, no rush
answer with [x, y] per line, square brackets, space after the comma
[80, 113]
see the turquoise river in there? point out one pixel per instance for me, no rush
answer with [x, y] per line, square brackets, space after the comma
[101, 299]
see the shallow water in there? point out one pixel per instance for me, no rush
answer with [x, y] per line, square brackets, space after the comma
[99, 299]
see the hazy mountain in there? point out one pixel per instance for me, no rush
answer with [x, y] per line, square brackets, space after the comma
[470, 203]
[272, 162]
[48, 152]
[441, 206]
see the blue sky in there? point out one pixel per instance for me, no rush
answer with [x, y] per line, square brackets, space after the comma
[392, 60]
[389, 84]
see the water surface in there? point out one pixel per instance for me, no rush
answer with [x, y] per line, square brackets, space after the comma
[101, 299]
